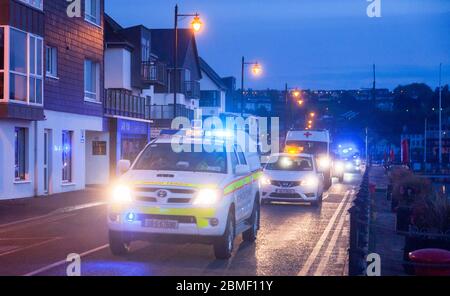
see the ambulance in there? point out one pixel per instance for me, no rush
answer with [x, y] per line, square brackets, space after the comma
[316, 143]
[187, 188]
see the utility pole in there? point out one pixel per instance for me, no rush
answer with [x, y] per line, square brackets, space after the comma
[175, 64]
[425, 143]
[242, 87]
[286, 98]
[367, 146]
[440, 116]
[374, 89]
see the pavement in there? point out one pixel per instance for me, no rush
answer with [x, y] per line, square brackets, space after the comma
[384, 239]
[37, 235]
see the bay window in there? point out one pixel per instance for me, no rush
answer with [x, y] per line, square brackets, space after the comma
[2, 63]
[39, 4]
[21, 70]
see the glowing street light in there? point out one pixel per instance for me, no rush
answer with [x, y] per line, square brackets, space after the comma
[196, 24]
[256, 70]
[312, 114]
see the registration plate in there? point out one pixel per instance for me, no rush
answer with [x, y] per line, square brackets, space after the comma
[286, 191]
[160, 224]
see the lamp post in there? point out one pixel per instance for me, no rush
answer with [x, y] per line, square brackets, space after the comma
[288, 93]
[196, 26]
[440, 116]
[256, 70]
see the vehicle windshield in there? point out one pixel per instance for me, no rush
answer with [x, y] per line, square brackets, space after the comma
[309, 147]
[161, 157]
[290, 163]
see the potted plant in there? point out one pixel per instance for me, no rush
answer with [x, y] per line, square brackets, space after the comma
[430, 221]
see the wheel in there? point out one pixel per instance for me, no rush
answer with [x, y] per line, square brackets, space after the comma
[251, 234]
[317, 202]
[117, 244]
[223, 247]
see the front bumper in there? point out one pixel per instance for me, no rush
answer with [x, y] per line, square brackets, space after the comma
[209, 221]
[299, 194]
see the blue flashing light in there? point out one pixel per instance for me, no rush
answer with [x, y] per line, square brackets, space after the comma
[131, 217]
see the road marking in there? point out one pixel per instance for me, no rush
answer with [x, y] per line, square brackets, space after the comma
[29, 247]
[326, 258]
[325, 196]
[49, 219]
[309, 262]
[62, 262]
[59, 211]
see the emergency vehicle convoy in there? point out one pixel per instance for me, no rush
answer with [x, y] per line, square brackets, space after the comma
[186, 187]
[316, 143]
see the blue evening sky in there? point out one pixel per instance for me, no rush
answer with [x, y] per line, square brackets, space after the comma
[328, 44]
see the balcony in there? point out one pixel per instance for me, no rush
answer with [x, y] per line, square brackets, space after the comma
[166, 112]
[154, 72]
[122, 103]
[191, 89]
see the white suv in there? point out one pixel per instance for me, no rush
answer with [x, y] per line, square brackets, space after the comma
[204, 194]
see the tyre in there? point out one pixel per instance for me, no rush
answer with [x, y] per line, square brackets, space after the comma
[251, 234]
[317, 202]
[223, 247]
[341, 179]
[117, 244]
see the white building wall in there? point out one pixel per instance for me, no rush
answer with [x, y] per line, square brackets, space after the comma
[117, 68]
[56, 123]
[206, 84]
[9, 189]
[97, 166]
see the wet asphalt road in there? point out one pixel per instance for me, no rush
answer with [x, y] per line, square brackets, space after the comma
[294, 240]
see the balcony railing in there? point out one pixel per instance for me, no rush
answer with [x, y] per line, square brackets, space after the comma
[154, 72]
[191, 89]
[166, 112]
[123, 103]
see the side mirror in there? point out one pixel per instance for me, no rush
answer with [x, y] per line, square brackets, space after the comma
[123, 166]
[242, 170]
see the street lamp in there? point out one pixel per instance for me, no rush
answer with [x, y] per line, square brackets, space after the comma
[256, 70]
[196, 24]
[291, 93]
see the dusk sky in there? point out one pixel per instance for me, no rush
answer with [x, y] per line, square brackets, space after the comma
[325, 44]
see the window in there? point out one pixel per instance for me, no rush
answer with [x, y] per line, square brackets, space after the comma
[98, 148]
[20, 156]
[35, 3]
[92, 11]
[51, 68]
[18, 66]
[67, 156]
[241, 155]
[35, 62]
[234, 161]
[2, 63]
[25, 67]
[91, 80]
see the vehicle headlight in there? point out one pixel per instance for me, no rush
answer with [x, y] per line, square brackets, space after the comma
[122, 194]
[265, 181]
[324, 162]
[339, 166]
[310, 182]
[207, 197]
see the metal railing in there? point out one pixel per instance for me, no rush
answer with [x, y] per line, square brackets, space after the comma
[166, 112]
[123, 103]
[360, 229]
[154, 72]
